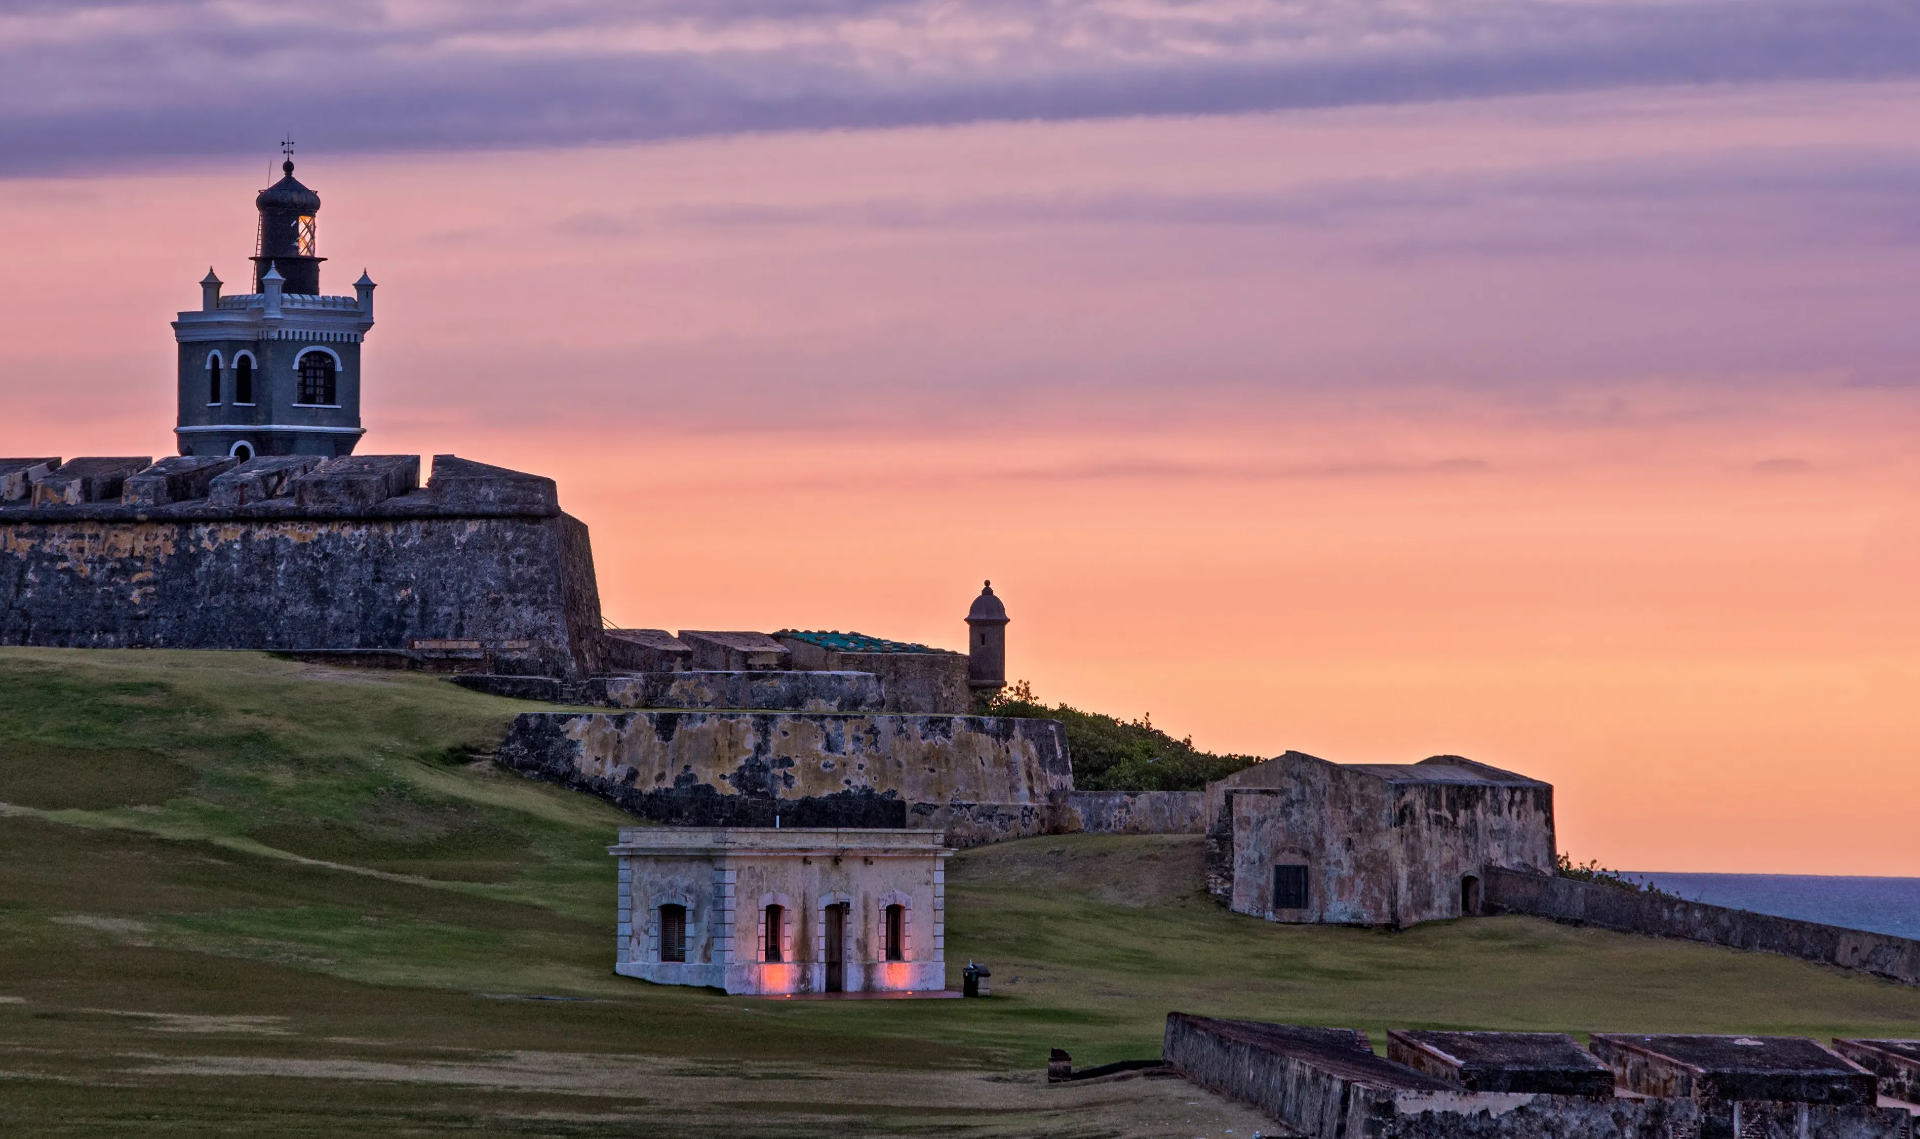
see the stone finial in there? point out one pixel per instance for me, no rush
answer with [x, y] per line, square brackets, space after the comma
[210, 291]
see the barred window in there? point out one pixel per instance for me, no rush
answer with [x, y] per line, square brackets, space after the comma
[673, 933]
[896, 933]
[774, 921]
[316, 379]
[1289, 887]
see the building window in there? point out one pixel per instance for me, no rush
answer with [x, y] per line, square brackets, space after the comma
[317, 375]
[1289, 887]
[309, 239]
[213, 379]
[775, 921]
[673, 933]
[896, 933]
[243, 380]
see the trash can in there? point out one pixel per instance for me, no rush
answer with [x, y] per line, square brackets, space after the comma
[973, 980]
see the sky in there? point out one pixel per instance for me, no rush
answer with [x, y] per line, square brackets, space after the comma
[1533, 381]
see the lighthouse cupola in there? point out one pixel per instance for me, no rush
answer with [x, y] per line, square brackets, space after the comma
[289, 233]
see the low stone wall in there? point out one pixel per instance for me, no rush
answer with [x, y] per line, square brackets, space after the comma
[981, 779]
[752, 691]
[1138, 812]
[1629, 911]
[1316, 1084]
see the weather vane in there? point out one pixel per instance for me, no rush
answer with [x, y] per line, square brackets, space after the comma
[286, 146]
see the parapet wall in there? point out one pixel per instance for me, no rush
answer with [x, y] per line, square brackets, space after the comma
[1658, 915]
[1138, 812]
[980, 779]
[349, 556]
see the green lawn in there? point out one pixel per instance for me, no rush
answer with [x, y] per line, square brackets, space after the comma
[240, 895]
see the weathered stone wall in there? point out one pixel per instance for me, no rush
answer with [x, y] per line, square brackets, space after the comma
[980, 779]
[513, 580]
[1327, 1084]
[1628, 911]
[1383, 844]
[917, 683]
[1138, 812]
[758, 690]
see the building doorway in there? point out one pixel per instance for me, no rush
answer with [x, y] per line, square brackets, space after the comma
[836, 948]
[1470, 896]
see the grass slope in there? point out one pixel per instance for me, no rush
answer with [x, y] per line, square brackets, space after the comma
[244, 896]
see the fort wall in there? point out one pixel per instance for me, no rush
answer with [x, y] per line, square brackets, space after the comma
[350, 557]
[1138, 812]
[1629, 911]
[980, 779]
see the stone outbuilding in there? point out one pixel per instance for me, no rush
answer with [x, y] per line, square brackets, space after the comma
[768, 911]
[1299, 839]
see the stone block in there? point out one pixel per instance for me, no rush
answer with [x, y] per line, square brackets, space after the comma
[258, 480]
[463, 484]
[80, 481]
[1545, 1063]
[177, 478]
[357, 482]
[1715, 1069]
[1895, 1065]
[717, 651]
[17, 477]
[646, 650]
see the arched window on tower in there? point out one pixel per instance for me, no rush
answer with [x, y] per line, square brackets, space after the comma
[317, 376]
[243, 379]
[213, 379]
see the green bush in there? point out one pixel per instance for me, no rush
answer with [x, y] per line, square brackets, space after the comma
[1601, 876]
[1116, 755]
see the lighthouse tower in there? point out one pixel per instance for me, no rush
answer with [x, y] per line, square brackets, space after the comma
[275, 371]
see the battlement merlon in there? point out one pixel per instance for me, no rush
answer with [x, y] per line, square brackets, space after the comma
[187, 489]
[295, 317]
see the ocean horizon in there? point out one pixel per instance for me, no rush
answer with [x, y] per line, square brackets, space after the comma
[1882, 905]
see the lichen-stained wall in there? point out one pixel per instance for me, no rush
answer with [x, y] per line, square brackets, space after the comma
[981, 779]
[1382, 844]
[279, 577]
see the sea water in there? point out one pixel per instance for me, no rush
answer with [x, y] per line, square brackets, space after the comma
[1883, 905]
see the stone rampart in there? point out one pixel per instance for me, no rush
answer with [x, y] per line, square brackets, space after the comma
[1138, 812]
[754, 690]
[1628, 911]
[482, 562]
[980, 779]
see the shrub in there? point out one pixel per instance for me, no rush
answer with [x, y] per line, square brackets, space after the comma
[1601, 876]
[1117, 755]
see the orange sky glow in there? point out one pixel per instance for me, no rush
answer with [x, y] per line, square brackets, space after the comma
[1570, 433]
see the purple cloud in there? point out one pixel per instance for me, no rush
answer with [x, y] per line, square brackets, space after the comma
[99, 84]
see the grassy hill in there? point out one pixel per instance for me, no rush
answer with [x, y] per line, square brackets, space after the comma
[243, 896]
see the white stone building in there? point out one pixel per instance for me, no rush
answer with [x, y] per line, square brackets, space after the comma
[771, 911]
